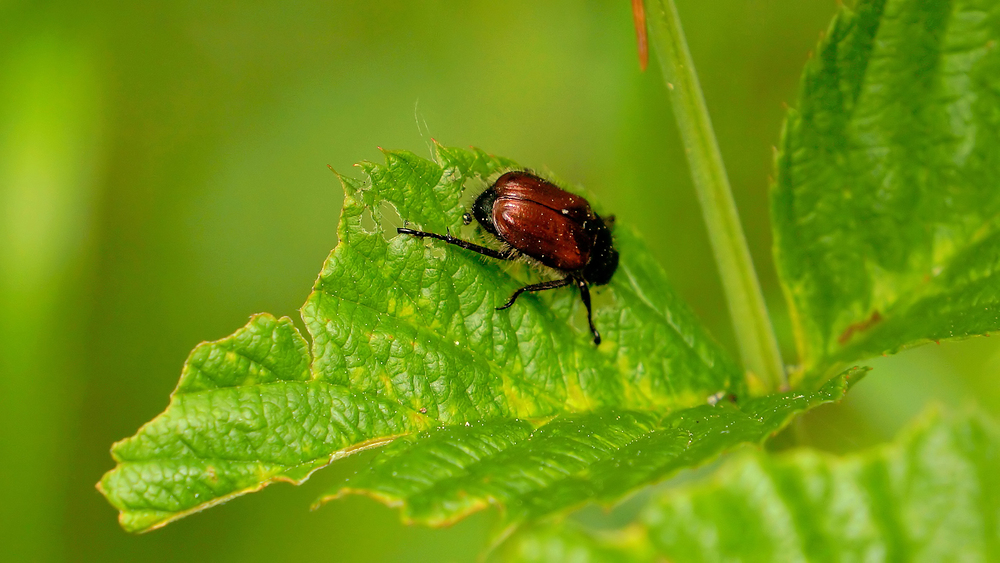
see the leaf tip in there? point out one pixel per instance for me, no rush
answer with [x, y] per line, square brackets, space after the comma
[850, 378]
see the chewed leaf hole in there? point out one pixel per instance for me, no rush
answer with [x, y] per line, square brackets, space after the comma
[389, 219]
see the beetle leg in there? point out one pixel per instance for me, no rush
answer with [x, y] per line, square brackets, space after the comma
[535, 287]
[585, 296]
[508, 255]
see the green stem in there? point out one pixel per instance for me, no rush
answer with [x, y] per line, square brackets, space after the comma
[754, 333]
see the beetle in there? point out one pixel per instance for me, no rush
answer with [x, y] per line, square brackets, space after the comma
[533, 218]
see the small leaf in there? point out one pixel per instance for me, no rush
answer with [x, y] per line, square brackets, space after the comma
[534, 471]
[887, 201]
[405, 337]
[931, 496]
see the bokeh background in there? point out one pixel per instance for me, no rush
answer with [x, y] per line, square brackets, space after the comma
[163, 176]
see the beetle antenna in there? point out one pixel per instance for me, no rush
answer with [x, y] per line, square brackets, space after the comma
[585, 297]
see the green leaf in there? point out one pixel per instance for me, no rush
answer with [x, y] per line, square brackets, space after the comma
[246, 413]
[931, 496]
[887, 201]
[569, 542]
[405, 338]
[537, 470]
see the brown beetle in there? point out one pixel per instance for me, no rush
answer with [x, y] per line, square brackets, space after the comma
[534, 218]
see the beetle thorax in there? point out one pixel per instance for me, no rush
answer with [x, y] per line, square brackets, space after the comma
[482, 210]
[603, 258]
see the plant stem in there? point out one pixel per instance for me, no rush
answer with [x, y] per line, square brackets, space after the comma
[754, 333]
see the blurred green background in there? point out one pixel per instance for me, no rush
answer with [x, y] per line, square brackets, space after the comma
[163, 176]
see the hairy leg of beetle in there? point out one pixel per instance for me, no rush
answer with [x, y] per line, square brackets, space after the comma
[461, 243]
[585, 296]
[535, 287]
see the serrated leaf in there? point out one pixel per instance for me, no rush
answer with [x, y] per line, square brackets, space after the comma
[404, 338]
[537, 470]
[887, 201]
[930, 496]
